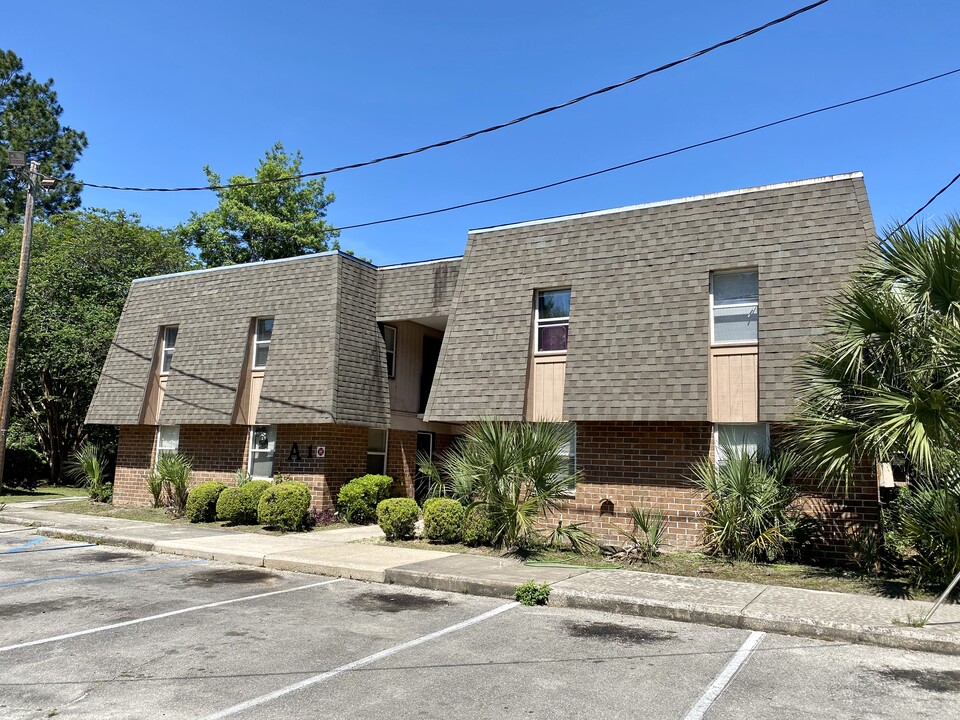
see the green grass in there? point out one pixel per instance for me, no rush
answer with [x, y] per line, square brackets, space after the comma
[160, 515]
[45, 492]
[694, 564]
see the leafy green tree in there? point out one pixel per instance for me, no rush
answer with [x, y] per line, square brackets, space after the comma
[81, 269]
[30, 121]
[263, 221]
[885, 383]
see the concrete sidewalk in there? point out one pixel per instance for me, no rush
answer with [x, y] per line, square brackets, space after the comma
[791, 611]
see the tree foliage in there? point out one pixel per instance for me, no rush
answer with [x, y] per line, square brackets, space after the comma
[81, 268]
[263, 221]
[885, 383]
[30, 121]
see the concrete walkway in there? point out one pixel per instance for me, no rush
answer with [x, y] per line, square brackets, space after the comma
[792, 611]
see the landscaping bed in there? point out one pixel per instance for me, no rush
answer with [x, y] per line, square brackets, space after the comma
[694, 564]
[163, 515]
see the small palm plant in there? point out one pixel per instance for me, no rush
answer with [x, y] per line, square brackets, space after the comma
[174, 471]
[645, 537]
[518, 471]
[88, 467]
[748, 501]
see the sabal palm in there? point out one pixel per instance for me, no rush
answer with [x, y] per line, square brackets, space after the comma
[517, 470]
[885, 383]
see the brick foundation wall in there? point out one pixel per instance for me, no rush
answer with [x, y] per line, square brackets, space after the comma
[402, 457]
[134, 460]
[346, 458]
[648, 464]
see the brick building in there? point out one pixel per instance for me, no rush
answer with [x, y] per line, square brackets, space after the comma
[659, 332]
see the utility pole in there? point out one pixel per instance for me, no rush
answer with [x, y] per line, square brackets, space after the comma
[6, 391]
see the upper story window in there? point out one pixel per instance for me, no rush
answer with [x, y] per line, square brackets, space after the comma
[263, 441]
[168, 439]
[734, 298]
[169, 344]
[261, 342]
[390, 340]
[552, 320]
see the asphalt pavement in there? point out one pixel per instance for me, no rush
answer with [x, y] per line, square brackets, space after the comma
[94, 632]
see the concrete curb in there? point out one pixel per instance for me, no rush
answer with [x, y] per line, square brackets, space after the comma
[903, 638]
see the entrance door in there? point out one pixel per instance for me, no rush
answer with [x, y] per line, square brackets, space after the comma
[421, 484]
[431, 354]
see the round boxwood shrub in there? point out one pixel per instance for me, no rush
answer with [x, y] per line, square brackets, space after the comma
[477, 528]
[442, 520]
[397, 517]
[252, 490]
[202, 502]
[358, 499]
[233, 506]
[285, 506]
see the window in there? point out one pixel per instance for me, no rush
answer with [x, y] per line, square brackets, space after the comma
[169, 345]
[376, 452]
[734, 300]
[168, 439]
[569, 451]
[261, 342]
[263, 439]
[553, 319]
[730, 438]
[390, 340]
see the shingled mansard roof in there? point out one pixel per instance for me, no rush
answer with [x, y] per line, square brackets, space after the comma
[326, 361]
[639, 317]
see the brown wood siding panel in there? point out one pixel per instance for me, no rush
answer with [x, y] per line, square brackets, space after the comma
[547, 380]
[734, 384]
[408, 365]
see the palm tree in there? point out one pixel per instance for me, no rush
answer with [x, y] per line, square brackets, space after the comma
[517, 471]
[884, 385]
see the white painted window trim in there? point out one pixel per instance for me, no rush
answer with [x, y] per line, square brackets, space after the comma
[271, 449]
[724, 343]
[386, 446]
[716, 437]
[257, 342]
[157, 449]
[164, 367]
[572, 491]
[547, 322]
[391, 351]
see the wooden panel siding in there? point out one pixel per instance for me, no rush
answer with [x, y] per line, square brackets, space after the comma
[734, 384]
[408, 364]
[545, 392]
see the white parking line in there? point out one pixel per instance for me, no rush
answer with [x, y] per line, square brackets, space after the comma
[720, 682]
[149, 618]
[358, 663]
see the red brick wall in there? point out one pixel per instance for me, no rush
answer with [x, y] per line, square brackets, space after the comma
[649, 464]
[134, 460]
[346, 458]
[402, 457]
[642, 464]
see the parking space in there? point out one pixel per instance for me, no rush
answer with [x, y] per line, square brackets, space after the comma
[94, 632]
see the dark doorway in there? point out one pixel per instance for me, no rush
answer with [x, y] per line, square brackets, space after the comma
[421, 485]
[431, 354]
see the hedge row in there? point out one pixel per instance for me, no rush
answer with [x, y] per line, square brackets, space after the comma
[284, 505]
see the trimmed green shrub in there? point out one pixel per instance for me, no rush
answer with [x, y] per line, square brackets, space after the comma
[285, 506]
[253, 489]
[442, 520]
[202, 501]
[530, 593]
[358, 499]
[397, 517]
[477, 528]
[234, 506]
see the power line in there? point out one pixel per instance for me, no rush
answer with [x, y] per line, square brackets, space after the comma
[927, 204]
[484, 131]
[667, 153]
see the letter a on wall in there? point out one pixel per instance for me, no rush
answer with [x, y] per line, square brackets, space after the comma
[294, 453]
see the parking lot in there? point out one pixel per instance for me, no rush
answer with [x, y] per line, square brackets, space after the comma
[95, 632]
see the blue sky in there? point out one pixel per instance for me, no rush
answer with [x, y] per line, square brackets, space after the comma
[163, 88]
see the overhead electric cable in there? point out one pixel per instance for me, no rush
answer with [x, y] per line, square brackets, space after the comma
[667, 153]
[475, 133]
